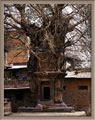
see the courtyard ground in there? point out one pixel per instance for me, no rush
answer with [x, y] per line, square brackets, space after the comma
[45, 114]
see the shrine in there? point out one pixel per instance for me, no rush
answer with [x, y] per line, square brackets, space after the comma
[46, 82]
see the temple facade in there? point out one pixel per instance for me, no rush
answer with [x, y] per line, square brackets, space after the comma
[46, 82]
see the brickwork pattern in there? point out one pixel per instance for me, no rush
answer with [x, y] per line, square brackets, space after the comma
[79, 99]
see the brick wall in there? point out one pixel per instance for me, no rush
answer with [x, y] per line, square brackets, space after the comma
[79, 98]
[16, 52]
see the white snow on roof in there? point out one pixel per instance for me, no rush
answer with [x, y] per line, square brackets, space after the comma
[18, 66]
[79, 75]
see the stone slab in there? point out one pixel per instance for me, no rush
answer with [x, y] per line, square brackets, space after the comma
[55, 114]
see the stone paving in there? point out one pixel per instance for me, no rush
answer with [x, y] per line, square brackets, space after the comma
[45, 114]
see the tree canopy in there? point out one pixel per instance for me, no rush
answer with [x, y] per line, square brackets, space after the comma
[62, 29]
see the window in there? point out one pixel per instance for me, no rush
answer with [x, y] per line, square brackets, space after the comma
[83, 87]
[45, 90]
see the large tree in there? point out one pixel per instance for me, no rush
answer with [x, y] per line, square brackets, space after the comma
[63, 29]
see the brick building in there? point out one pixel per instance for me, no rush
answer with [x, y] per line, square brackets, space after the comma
[77, 90]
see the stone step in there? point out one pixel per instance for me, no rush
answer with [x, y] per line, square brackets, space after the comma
[49, 109]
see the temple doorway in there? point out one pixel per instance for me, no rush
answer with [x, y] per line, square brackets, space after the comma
[46, 93]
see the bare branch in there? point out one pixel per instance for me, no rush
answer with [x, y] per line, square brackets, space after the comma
[16, 55]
